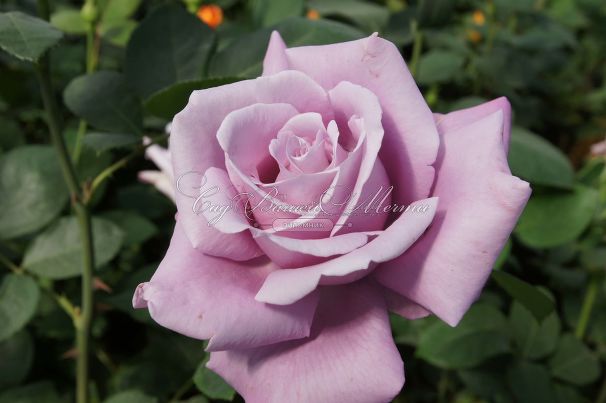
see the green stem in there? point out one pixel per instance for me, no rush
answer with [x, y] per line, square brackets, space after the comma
[443, 386]
[9, 264]
[187, 385]
[110, 170]
[79, 139]
[83, 319]
[588, 302]
[92, 57]
[67, 167]
[416, 47]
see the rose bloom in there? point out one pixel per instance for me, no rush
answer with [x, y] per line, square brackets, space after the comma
[407, 212]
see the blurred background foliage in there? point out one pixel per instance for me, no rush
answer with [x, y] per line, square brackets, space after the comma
[122, 68]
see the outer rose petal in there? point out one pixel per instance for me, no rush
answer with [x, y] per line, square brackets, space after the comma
[480, 203]
[461, 118]
[194, 146]
[164, 178]
[160, 156]
[599, 149]
[349, 357]
[411, 140]
[160, 181]
[210, 298]
[403, 306]
[285, 287]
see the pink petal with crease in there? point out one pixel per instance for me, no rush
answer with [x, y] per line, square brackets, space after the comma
[480, 203]
[210, 298]
[349, 357]
[285, 287]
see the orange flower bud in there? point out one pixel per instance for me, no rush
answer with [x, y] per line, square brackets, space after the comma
[211, 15]
[474, 36]
[313, 14]
[479, 18]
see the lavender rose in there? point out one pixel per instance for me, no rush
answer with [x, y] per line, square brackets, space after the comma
[313, 200]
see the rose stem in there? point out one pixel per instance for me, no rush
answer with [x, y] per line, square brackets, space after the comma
[83, 316]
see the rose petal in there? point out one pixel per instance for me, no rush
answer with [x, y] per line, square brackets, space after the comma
[220, 203]
[160, 156]
[284, 287]
[275, 58]
[411, 139]
[246, 133]
[349, 357]
[194, 147]
[464, 117]
[290, 252]
[353, 101]
[160, 181]
[403, 306]
[210, 298]
[479, 205]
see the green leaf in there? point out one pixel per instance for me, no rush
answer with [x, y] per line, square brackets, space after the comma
[568, 394]
[137, 229]
[116, 26]
[101, 142]
[169, 46]
[92, 164]
[437, 66]
[19, 296]
[573, 362]
[196, 399]
[269, 12]
[69, 21]
[104, 100]
[118, 32]
[131, 396]
[38, 392]
[115, 10]
[480, 335]
[304, 32]
[11, 135]
[466, 102]
[166, 363]
[244, 56]
[553, 219]
[431, 13]
[167, 102]
[535, 159]
[211, 384]
[17, 354]
[487, 381]
[534, 340]
[26, 37]
[57, 252]
[32, 190]
[368, 16]
[156, 204]
[530, 383]
[539, 304]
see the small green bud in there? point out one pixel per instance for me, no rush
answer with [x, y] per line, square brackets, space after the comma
[192, 5]
[89, 12]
